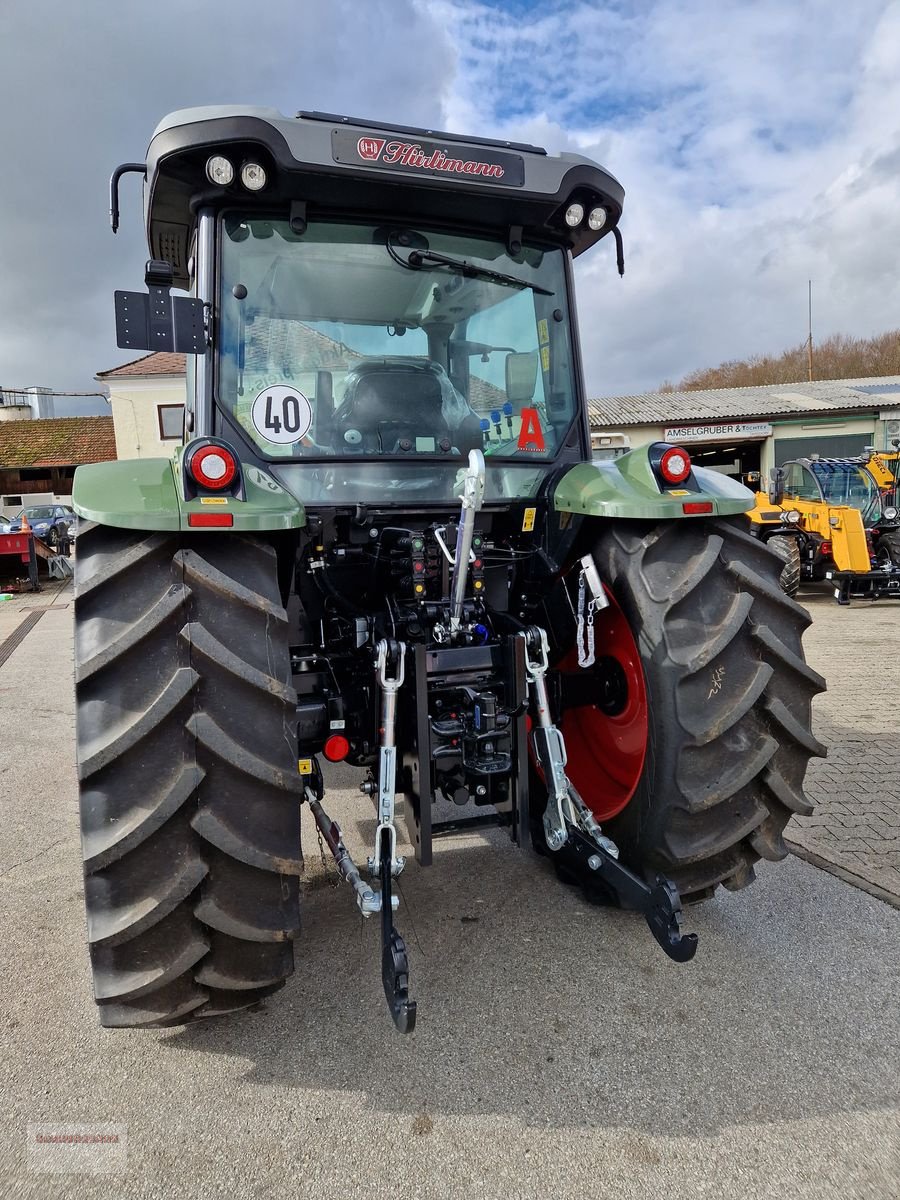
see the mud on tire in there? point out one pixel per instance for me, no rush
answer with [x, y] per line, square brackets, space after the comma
[729, 696]
[187, 765]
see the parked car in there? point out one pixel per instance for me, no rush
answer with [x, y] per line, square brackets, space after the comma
[50, 522]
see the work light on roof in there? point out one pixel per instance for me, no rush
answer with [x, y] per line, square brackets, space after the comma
[219, 170]
[596, 218]
[574, 214]
[253, 177]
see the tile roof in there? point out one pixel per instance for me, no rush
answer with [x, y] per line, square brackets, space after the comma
[150, 364]
[56, 442]
[774, 400]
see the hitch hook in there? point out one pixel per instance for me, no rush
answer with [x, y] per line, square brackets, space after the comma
[394, 959]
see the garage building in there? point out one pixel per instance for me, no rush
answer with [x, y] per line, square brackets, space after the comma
[744, 432]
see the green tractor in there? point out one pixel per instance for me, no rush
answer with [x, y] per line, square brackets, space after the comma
[383, 543]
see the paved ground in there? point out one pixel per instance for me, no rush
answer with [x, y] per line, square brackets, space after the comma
[558, 1051]
[855, 829]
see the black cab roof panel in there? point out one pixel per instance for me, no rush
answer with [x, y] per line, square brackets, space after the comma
[337, 163]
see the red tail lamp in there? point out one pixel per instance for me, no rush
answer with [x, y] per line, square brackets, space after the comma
[336, 748]
[213, 467]
[675, 465]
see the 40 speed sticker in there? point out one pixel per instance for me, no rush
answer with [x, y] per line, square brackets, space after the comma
[281, 414]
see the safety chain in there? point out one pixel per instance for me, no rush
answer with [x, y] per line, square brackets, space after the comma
[585, 619]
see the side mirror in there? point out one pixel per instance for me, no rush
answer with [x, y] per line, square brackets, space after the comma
[521, 377]
[776, 485]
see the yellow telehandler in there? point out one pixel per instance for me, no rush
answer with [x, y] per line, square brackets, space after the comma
[834, 519]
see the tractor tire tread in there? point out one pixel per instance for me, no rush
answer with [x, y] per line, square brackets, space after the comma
[730, 696]
[191, 868]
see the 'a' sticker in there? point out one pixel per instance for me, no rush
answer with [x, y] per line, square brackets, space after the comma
[531, 436]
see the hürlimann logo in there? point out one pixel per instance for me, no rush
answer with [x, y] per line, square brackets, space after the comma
[411, 154]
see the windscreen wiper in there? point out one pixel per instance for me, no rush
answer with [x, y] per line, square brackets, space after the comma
[418, 259]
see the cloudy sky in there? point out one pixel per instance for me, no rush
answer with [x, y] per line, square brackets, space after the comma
[758, 142]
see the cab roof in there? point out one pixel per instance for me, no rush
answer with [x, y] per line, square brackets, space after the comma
[332, 163]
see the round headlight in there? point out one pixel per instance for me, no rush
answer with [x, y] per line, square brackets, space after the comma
[253, 177]
[574, 214]
[890, 513]
[219, 170]
[596, 218]
[791, 517]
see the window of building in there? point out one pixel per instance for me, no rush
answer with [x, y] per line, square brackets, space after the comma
[171, 421]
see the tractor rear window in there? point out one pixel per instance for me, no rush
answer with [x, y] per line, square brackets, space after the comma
[352, 341]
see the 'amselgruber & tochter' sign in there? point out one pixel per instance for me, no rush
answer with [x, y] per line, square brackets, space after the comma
[724, 432]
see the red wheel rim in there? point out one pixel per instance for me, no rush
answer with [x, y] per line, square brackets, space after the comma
[606, 753]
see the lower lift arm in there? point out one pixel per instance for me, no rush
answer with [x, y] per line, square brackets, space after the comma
[570, 828]
[385, 864]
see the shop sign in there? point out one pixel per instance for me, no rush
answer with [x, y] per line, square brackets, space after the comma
[725, 431]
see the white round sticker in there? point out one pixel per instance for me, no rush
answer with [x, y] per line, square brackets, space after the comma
[281, 414]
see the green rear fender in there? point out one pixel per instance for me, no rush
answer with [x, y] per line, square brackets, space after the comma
[627, 487]
[146, 493]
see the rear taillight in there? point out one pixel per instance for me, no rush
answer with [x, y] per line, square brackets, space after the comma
[825, 548]
[675, 465]
[213, 467]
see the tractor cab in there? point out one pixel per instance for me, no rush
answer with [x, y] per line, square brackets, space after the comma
[384, 296]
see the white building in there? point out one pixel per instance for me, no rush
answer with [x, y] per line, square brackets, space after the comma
[147, 398]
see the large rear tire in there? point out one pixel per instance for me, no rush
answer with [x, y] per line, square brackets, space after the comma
[728, 700]
[186, 731]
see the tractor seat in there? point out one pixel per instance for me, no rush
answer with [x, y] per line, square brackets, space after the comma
[387, 406]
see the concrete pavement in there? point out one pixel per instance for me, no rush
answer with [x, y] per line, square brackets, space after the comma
[855, 829]
[558, 1051]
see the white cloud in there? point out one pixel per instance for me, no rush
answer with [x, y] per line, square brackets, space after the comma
[759, 146]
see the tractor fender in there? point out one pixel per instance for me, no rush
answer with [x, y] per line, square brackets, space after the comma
[146, 493]
[627, 487]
